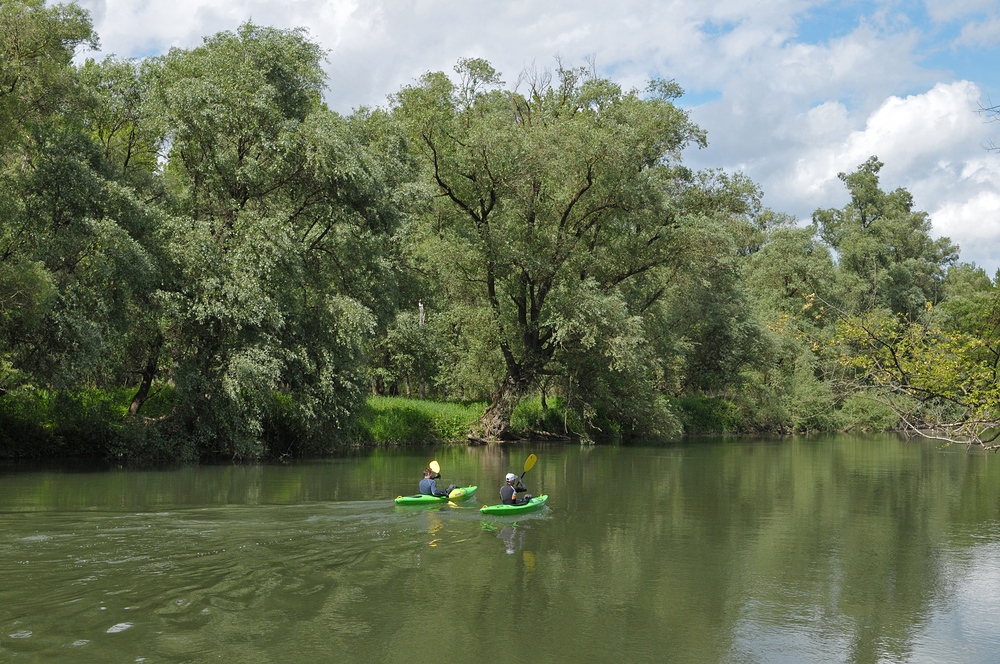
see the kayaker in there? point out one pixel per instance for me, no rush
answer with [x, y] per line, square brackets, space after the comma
[429, 487]
[509, 491]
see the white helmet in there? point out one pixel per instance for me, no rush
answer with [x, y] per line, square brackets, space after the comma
[511, 477]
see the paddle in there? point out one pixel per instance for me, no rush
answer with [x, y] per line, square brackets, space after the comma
[436, 469]
[529, 463]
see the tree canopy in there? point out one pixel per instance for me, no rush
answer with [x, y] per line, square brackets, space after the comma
[552, 227]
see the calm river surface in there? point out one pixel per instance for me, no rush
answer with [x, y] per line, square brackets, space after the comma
[832, 549]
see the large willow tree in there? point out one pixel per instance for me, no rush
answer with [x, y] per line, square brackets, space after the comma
[277, 245]
[551, 228]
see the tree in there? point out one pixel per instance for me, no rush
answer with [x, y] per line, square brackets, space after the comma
[67, 254]
[122, 117]
[278, 241]
[884, 246]
[38, 44]
[912, 333]
[549, 205]
[36, 77]
[938, 373]
[790, 278]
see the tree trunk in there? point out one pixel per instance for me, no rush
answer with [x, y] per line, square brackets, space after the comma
[496, 419]
[148, 373]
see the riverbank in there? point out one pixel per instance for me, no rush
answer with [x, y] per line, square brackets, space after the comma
[44, 425]
[94, 425]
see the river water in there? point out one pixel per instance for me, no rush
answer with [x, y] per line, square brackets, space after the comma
[834, 549]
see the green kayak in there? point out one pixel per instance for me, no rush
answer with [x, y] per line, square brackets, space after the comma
[533, 505]
[457, 495]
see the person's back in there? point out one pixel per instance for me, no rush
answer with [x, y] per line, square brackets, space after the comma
[429, 487]
[509, 491]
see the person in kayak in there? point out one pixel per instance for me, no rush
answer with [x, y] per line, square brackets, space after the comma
[429, 487]
[509, 491]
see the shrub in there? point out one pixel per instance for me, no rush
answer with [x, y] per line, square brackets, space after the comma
[704, 414]
[529, 414]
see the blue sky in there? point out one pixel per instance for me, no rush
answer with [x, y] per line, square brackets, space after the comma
[791, 92]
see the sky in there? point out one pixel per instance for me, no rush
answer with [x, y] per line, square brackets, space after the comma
[791, 92]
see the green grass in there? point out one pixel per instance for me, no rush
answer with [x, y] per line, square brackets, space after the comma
[42, 423]
[703, 414]
[92, 423]
[395, 420]
[529, 415]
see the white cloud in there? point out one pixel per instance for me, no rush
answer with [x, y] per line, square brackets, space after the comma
[906, 133]
[967, 209]
[981, 33]
[976, 220]
[377, 45]
[982, 170]
[827, 121]
[931, 144]
[950, 10]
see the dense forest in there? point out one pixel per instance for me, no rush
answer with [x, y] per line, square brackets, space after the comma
[199, 259]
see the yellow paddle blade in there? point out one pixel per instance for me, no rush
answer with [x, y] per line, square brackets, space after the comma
[456, 494]
[434, 466]
[529, 462]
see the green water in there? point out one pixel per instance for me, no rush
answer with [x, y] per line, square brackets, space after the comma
[798, 550]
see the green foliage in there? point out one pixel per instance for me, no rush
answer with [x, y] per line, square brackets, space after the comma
[38, 44]
[702, 414]
[122, 118]
[709, 307]
[42, 423]
[471, 365]
[555, 417]
[547, 200]
[413, 353]
[884, 247]
[394, 420]
[936, 373]
[966, 280]
[279, 244]
[138, 444]
[862, 413]
[67, 260]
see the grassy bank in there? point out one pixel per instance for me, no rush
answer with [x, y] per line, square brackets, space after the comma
[39, 424]
[44, 425]
[396, 420]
